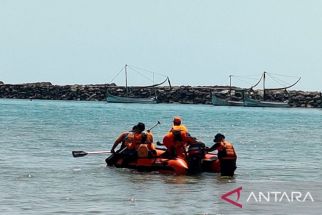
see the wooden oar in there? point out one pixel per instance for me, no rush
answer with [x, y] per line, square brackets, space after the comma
[77, 154]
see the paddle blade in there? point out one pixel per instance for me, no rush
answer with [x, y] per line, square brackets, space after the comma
[77, 154]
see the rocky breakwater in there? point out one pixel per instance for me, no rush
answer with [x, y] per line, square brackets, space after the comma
[98, 92]
[305, 99]
[45, 90]
[176, 94]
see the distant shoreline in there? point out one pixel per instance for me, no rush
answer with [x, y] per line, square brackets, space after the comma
[176, 94]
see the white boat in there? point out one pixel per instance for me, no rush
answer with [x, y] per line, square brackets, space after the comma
[121, 99]
[218, 101]
[128, 99]
[248, 102]
[215, 100]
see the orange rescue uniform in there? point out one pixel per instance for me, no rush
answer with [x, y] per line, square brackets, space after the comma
[177, 141]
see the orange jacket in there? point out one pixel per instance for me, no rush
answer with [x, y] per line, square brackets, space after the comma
[227, 150]
[132, 140]
[148, 140]
[176, 142]
[179, 128]
[145, 145]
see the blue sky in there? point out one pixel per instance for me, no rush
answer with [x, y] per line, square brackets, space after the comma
[193, 42]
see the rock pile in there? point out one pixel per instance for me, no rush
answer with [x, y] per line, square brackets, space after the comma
[177, 94]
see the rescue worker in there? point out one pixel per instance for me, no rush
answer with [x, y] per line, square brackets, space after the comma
[177, 124]
[226, 155]
[121, 139]
[133, 139]
[177, 139]
[145, 147]
[129, 142]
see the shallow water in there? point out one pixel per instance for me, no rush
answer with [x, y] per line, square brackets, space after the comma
[278, 149]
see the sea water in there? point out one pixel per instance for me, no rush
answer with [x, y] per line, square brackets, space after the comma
[279, 150]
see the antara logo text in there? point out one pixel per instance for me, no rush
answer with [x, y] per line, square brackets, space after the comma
[271, 196]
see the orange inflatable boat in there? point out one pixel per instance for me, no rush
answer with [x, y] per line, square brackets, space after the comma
[196, 162]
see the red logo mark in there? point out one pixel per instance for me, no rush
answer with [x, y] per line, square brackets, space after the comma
[238, 191]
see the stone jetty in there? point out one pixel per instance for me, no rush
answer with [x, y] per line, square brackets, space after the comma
[175, 94]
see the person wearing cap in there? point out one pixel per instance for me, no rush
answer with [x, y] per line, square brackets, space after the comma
[177, 125]
[226, 154]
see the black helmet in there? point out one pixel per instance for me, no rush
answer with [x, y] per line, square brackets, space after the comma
[140, 126]
[219, 137]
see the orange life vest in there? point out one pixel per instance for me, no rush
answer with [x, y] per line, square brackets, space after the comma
[145, 145]
[230, 151]
[132, 140]
[176, 142]
[179, 128]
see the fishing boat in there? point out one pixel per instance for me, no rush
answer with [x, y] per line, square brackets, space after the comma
[131, 99]
[124, 99]
[250, 102]
[219, 101]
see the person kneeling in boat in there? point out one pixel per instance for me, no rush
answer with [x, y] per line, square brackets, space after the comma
[132, 141]
[226, 155]
[121, 139]
[145, 147]
[177, 125]
[128, 150]
[139, 144]
[176, 142]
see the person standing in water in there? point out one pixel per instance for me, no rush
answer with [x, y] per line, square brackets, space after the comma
[226, 155]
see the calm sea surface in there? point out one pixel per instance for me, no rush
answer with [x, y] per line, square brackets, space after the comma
[278, 150]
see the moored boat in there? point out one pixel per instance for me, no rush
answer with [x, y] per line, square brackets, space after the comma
[248, 102]
[127, 98]
[120, 99]
[215, 100]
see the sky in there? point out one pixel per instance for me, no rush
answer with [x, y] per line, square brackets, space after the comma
[195, 43]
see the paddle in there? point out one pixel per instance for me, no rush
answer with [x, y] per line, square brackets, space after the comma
[77, 154]
[158, 123]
